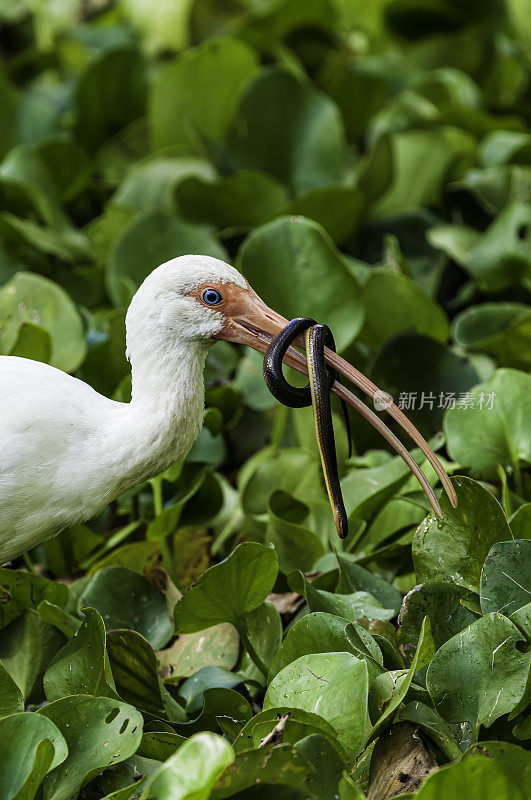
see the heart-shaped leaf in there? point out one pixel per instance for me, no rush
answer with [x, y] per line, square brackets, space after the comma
[454, 548]
[227, 591]
[143, 611]
[318, 683]
[99, 732]
[480, 674]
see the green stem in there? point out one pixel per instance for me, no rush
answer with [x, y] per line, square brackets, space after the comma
[29, 563]
[255, 658]
[279, 426]
[156, 486]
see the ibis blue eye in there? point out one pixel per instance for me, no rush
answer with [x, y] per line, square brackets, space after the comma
[212, 297]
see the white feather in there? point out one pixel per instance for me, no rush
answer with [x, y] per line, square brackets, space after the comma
[66, 451]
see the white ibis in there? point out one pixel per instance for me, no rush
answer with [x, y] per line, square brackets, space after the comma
[67, 451]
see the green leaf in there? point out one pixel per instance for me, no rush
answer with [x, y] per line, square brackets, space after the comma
[29, 298]
[395, 304]
[139, 605]
[110, 93]
[454, 549]
[294, 470]
[11, 699]
[352, 606]
[439, 601]
[134, 670]
[332, 685]
[354, 578]
[32, 342]
[20, 590]
[99, 732]
[227, 591]
[319, 632]
[497, 259]
[295, 545]
[191, 772]
[151, 185]
[424, 376]
[264, 629]
[30, 746]
[477, 778]
[513, 760]
[26, 647]
[521, 522]
[480, 674]
[148, 241]
[269, 765]
[503, 330]
[193, 98]
[506, 577]
[243, 200]
[217, 646]
[481, 436]
[421, 160]
[290, 130]
[82, 665]
[293, 257]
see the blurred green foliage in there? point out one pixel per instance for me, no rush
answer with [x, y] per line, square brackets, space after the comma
[364, 163]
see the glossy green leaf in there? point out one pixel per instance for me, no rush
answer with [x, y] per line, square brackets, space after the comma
[20, 590]
[455, 548]
[394, 304]
[143, 611]
[503, 330]
[291, 258]
[439, 601]
[483, 436]
[26, 647]
[217, 646]
[243, 200]
[318, 683]
[135, 672]
[480, 674]
[228, 590]
[424, 376]
[191, 772]
[424, 653]
[99, 732]
[38, 300]
[30, 746]
[82, 665]
[194, 97]
[270, 765]
[11, 699]
[289, 130]
[352, 606]
[479, 778]
[118, 79]
[355, 578]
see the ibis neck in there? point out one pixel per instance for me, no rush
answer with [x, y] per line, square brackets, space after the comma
[166, 409]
